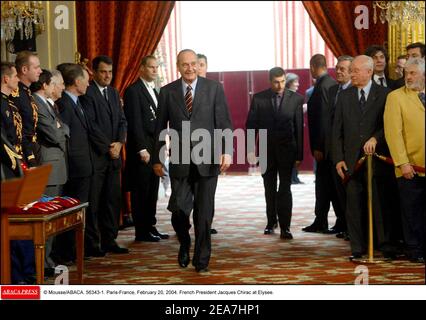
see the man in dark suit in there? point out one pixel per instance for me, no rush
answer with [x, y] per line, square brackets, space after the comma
[80, 165]
[187, 104]
[109, 125]
[280, 112]
[318, 111]
[380, 74]
[52, 136]
[140, 107]
[335, 187]
[28, 68]
[358, 130]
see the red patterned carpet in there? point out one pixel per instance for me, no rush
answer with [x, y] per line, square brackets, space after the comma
[241, 253]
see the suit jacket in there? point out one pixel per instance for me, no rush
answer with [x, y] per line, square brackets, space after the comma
[209, 112]
[141, 114]
[318, 105]
[404, 122]
[53, 141]
[328, 127]
[285, 125]
[352, 128]
[107, 121]
[79, 151]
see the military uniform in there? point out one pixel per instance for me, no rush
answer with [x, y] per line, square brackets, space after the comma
[23, 99]
[11, 121]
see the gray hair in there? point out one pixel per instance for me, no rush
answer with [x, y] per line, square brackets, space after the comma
[345, 58]
[367, 61]
[56, 73]
[419, 62]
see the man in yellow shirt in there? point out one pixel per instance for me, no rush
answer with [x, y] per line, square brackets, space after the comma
[404, 124]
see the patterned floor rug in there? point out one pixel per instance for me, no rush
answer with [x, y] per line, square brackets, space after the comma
[242, 254]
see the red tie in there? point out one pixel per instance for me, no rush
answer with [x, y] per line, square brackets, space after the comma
[188, 99]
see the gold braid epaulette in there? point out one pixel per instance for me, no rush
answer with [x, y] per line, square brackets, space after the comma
[17, 121]
[12, 155]
[15, 93]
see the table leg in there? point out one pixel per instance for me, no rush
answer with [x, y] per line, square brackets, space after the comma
[79, 239]
[39, 260]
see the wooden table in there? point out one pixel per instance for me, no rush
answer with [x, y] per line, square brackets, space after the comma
[39, 227]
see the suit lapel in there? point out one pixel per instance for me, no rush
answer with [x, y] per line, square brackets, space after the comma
[77, 111]
[199, 92]
[178, 97]
[354, 97]
[372, 97]
[101, 98]
[49, 109]
[147, 94]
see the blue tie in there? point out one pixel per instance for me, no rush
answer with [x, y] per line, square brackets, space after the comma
[362, 101]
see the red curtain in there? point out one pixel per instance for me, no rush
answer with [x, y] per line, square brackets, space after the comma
[335, 22]
[125, 31]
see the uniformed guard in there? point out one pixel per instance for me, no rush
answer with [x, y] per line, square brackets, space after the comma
[28, 68]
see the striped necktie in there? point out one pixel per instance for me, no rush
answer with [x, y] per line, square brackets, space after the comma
[188, 99]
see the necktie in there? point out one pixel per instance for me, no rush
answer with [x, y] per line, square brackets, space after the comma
[277, 102]
[337, 94]
[422, 98]
[105, 94]
[80, 108]
[362, 101]
[188, 99]
[382, 81]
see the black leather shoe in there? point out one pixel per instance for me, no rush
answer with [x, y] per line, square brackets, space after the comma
[127, 222]
[315, 228]
[341, 235]
[183, 257]
[417, 260]
[147, 237]
[200, 269]
[94, 253]
[268, 231]
[116, 249]
[331, 231]
[213, 231]
[285, 234]
[389, 255]
[155, 232]
[355, 255]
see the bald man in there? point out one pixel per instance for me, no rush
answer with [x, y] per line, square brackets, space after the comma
[358, 130]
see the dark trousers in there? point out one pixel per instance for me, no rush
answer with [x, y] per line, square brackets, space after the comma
[413, 207]
[144, 197]
[326, 191]
[279, 204]
[22, 260]
[103, 214]
[357, 213]
[64, 246]
[197, 193]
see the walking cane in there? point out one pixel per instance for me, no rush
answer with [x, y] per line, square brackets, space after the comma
[370, 258]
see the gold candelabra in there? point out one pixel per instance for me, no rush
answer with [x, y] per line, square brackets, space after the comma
[21, 16]
[399, 12]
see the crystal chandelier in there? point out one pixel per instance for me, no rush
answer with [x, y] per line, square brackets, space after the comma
[21, 16]
[400, 12]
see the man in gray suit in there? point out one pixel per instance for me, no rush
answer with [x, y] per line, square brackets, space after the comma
[52, 135]
[201, 104]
